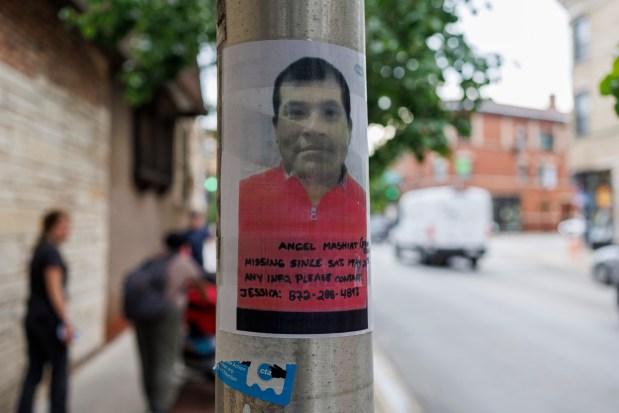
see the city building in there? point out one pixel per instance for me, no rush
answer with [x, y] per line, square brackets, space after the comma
[517, 153]
[593, 157]
[69, 140]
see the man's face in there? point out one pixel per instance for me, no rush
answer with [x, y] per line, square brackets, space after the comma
[312, 131]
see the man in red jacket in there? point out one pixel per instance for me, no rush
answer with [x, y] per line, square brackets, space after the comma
[302, 225]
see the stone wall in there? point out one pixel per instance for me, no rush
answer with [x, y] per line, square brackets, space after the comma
[54, 152]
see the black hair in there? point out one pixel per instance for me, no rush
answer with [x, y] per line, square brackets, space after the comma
[310, 69]
[174, 240]
[50, 219]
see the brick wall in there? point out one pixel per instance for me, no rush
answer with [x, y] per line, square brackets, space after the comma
[495, 166]
[54, 152]
[36, 43]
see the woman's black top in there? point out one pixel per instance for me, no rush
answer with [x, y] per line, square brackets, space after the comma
[40, 309]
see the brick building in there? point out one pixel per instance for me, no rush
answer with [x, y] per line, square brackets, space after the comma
[594, 134]
[68, 140]
[517, 153]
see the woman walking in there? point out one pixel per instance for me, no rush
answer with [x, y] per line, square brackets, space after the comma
[48, 331]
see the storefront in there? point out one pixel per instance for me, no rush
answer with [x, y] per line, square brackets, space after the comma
[507, 213]
[594, 198]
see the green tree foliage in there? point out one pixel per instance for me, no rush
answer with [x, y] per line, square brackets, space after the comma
[610, 84]
[159, 38]
[411, 46]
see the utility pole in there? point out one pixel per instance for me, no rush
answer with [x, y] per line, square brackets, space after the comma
[294, 319]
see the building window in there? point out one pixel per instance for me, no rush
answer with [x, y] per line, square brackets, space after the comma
[153, 144]
[523, 172]
[581, 106]
[547, 176]
[582, 36]
[521, 138]
[546, 141]
[439, 169]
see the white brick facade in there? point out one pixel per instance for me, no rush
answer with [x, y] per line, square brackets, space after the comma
[54, 152]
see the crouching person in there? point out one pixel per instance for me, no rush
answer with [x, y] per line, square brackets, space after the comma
[155, 301]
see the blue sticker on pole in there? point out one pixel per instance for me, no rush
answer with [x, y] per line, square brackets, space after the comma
[261, 380]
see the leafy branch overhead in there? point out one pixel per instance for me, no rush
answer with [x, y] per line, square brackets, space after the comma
[412, 46]
[158, 38]
[610, 84]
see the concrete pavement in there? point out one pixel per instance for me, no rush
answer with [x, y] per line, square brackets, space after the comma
[195, 397]
[548, 249]
[110, 382]
[107, 382]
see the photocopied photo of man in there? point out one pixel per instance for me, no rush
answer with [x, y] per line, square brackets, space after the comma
[302, 259]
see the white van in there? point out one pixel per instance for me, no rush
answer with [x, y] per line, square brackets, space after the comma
[443, 222]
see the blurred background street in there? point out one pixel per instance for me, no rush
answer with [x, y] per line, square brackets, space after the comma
[109, 114]
[529, 330]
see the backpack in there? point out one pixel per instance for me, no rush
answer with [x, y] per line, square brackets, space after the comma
[144, 290]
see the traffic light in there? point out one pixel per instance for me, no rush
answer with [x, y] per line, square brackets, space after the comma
[210, 184]
[392, 193]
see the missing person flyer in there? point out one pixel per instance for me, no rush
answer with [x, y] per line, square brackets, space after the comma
[294, 190]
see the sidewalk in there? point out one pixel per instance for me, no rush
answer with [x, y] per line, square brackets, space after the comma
[547, 249]
[110, 383]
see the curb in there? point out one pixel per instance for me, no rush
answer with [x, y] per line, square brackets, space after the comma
[389, 394]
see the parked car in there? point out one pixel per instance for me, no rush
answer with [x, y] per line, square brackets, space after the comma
[600, 229]
[600, 236]
[605, 264]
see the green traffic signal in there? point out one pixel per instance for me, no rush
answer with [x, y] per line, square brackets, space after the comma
[210, 184]
[392, 193]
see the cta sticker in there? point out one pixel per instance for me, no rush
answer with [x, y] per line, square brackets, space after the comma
[261, 380]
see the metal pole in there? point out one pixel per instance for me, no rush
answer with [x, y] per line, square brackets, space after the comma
[333, 374]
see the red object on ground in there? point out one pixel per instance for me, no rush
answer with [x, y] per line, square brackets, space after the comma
[201, 313]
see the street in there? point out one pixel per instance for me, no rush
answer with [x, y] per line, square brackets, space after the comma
[527, 332]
